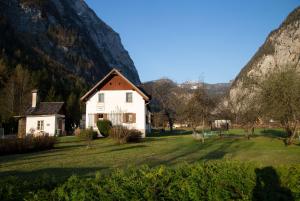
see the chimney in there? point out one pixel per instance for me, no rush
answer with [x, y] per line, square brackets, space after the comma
[34, 98]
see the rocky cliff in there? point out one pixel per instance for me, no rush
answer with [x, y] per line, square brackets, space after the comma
[280, 50]
[62, 34]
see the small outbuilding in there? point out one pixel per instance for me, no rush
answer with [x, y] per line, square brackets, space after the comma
[223, 124]
[43, 118]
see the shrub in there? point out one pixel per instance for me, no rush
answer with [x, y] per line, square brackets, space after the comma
[28, 144]
[88, 135]
[124, 135]
[104, 127]
[77, 131]
[218, 180]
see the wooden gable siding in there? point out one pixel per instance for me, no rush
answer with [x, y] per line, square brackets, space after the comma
[116, 82]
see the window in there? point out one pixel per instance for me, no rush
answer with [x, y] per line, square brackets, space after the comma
[101, 98]
[129, 118]
[129, 97]
[40, 125]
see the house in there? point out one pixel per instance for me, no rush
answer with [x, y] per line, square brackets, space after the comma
[220, 124]
[119, 100]
[42, 118]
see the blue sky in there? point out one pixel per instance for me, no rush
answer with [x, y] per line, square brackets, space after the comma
[192, 39]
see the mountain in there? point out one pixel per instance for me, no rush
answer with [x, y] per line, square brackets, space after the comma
[165, 89]
[212, 89]
[59, 47]
[218, 89]
[280, 50]
[62, 34]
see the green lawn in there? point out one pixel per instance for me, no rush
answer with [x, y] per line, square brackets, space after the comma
[72, 157]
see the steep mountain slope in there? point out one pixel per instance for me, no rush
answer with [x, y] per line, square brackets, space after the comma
[280, 50]
[63, 34]
[59, 47]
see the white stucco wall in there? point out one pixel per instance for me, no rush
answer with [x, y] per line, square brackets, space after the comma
[115, 102]
[50, 123]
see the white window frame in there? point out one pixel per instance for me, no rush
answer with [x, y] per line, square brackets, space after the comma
[127, 97]
[40, 125]
[99, 98]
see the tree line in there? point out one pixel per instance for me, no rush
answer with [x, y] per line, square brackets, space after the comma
[275, 98]
[17, 82]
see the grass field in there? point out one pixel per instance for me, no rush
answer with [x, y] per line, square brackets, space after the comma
[72, 157]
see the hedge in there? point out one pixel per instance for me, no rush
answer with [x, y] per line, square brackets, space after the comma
[104, 127]
[28, 144]
[219, 180]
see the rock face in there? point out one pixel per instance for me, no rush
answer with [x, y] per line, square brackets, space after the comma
[68, 33]
[280, 50]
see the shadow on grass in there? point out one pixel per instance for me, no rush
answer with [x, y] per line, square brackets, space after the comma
[127, 148]
[268, 186]
[69, 146]
[211, 149]
[40, 154]
[59, 174]
[273, 133]
[177, 132]
[218, 153]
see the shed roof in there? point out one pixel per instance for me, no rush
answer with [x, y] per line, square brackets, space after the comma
[46, 108]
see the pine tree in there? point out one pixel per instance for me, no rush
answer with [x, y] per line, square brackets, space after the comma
[73, 111]
[3, 73]
[51, 96]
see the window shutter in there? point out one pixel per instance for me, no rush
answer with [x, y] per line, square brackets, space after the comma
[105, 116]
[95, 118]
[124, 117]
[133, 118]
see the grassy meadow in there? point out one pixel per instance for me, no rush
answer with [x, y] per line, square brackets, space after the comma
[71, 156]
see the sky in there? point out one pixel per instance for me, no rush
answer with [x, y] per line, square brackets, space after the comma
[207, 40]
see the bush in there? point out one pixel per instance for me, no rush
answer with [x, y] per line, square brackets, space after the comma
[77, 132]
[88, 134]
[218, 180]
[28, 144]
[124, 135]
[104, 127]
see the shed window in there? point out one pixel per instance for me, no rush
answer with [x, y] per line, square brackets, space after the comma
[101, 98]
[129, 97]
[40, 125]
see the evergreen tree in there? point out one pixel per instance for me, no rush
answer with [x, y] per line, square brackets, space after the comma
[73, 113]
[3, 73]
[51, 96]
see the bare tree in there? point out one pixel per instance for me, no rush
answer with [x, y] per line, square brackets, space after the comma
[279, 97]
[167, 100]
[247, 111]
[198, 109]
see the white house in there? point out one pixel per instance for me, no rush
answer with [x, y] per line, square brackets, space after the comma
[43, 117]
[221, 124]
[117, 99]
